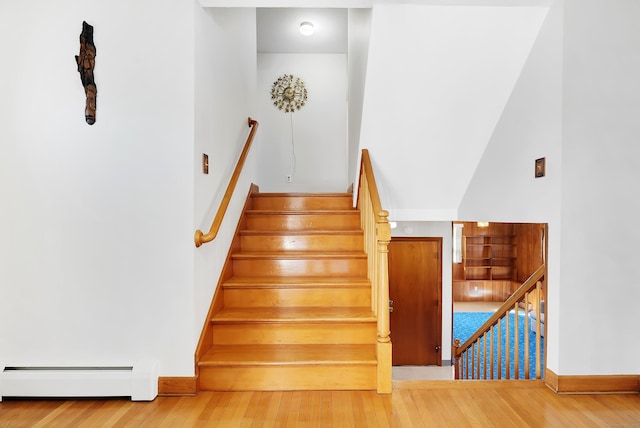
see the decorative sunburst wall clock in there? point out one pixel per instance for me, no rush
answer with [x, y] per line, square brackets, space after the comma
[288, 93]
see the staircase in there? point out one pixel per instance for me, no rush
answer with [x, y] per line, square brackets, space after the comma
[295, 310]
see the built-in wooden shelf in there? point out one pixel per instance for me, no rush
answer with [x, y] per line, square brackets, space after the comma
[488, 257]
[488, 268]
[496, 259]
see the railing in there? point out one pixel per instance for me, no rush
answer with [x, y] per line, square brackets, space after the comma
[202, 238]
[377, 232]
[481, 356]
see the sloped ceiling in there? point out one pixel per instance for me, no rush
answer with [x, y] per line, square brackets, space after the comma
[436, 87]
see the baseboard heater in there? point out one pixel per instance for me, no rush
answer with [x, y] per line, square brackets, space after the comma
[139, 382]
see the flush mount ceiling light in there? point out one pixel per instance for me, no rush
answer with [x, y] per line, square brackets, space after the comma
[288, 93]
[306, 28]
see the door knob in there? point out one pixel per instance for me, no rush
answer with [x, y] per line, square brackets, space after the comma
[437, 348]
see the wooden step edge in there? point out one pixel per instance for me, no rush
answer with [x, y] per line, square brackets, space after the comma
[297, 255]
[297, 314]
[300, 286]
[298, 281]
[302, 194]
[222, 319]
[353, 211]
[234, 363]
[287, 355]
[301, 232]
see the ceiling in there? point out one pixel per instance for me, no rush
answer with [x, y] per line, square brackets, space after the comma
[278, 30]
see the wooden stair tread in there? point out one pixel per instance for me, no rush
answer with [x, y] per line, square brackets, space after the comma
[303, 232]
[296, 281]
[302, 194]
[294, 314]
[353, 211]
[275, 355]
[295, 255]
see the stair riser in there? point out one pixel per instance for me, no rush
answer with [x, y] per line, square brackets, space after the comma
[292, 297]
[345, 221]
[289, 378]
[350, 242]
[290, 203]
[309, 267]
[294, 334]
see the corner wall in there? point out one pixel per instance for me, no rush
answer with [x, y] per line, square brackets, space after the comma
[225, 96]
[600, 281]
[96, 263]
[317, 157]
[438, 78]
[503, 187]
[358, 51]
[576, 105]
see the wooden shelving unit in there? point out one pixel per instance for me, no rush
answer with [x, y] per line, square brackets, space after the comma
[496, 259]
[488, 257]
[488, 270]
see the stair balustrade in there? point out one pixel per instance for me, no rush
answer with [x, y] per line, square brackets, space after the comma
[377, 232]
[481, 356]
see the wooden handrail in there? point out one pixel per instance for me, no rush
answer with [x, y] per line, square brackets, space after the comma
[526, 286]
[202, 238]
[377, 233]
[373, 188]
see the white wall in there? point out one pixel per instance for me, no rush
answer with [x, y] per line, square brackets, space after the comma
[503, 187]
[600, 282]
[358, 50]
[96, 265]
[225, 96]
[319, 128]
[575, 103]
[436, 229]
[96, 253]
[438, 78]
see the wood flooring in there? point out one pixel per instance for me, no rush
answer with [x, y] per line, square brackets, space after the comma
[412, 404]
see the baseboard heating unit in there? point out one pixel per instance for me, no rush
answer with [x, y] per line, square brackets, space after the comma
[139, 382]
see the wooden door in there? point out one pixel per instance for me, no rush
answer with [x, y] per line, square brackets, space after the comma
[415, 288]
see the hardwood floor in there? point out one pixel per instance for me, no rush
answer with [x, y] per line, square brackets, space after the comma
[412, 404]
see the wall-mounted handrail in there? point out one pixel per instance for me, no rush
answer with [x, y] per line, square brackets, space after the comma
[377, 234]
[202, 238]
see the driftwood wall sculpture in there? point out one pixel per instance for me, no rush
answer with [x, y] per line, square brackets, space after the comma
[86, 62]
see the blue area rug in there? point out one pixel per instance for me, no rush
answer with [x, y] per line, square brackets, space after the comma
[467, 323]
